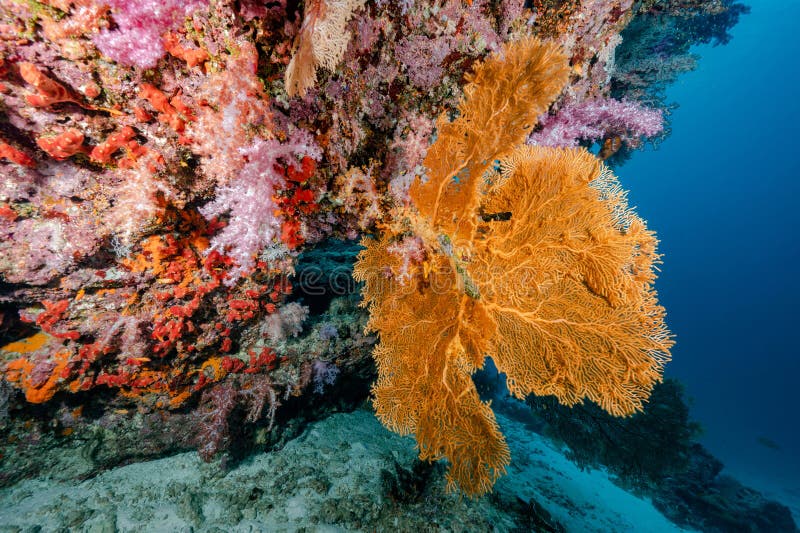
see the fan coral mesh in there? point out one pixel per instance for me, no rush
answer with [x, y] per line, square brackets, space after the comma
[531, 256]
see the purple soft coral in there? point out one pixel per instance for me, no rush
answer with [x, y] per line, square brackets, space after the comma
[137, 41]
[213, 435]
[325, 375]
[596, 119]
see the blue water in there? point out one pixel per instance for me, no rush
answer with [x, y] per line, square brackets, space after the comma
[723, 194]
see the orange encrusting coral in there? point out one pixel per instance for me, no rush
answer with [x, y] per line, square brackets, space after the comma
[102, 152]
[172, 112]
[63, 145]
[21, 371]
[26, 345]
[192, 56]
[15, 156]
[49, 91]
[183, 357]
[531, 256]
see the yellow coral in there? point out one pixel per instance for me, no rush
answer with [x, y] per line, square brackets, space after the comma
[568, 279]
[28, 344]
[532, 257]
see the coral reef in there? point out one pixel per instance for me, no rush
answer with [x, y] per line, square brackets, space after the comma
[321, 42]
[137, 38]
[180, 180]
[655, 47]
[701, 496]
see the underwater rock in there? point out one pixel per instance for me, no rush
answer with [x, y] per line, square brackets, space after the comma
[655, 453]
[704, 498]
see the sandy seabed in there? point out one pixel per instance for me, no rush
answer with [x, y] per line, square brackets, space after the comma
[337, 476]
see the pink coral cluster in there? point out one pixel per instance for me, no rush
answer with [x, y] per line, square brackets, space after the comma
[137, 39]
[597, 119]
[255, 221]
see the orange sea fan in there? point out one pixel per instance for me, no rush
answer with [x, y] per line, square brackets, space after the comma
[531, 257]
[503, 100]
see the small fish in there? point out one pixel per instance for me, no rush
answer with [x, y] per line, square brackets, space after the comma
[610, 147]
[768, 443]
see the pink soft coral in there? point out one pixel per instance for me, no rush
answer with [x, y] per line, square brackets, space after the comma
[596, 119]
[137, 41]
[253, 223]
[240, 112]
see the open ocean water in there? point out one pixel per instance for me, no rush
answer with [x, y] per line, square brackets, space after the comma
[723, 193]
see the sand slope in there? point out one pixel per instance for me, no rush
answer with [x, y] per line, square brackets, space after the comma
[337, 476]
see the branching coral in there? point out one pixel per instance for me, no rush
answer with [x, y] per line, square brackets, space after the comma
[531, 257]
